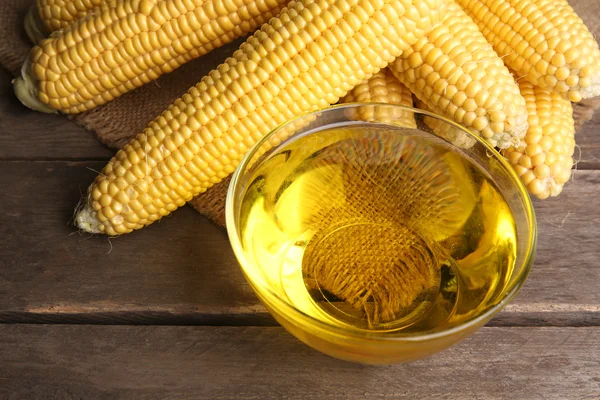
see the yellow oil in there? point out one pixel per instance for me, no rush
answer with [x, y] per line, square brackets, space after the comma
[378, 228]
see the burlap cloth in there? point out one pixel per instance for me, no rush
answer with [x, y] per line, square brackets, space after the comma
[118, 121]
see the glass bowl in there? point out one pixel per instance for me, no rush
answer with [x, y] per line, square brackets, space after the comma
[377, 233]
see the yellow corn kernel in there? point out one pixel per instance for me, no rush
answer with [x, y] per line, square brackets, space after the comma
[59, 14]
[545, 158]
[383, 87]
[130, 44]
[305, 59]
[446, 131]
[455, 72]
[543, 40]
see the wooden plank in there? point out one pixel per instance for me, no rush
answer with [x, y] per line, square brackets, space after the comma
[566, 268]
[111, 362]
[182, 270]
[26, 134]
[587, 153]
[181, 265]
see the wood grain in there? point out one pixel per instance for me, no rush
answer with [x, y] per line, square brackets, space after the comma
[88, 362]
[181, 265]
[182, 270]
[587, 153]
[26, 134]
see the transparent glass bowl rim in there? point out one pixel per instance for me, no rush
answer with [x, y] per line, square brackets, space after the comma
[282, 304]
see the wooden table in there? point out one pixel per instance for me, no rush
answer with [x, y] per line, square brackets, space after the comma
[166, 313]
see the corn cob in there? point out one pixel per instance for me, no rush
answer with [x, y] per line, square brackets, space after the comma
[545, 159]
[383, 87]
[307, 58]
[457, 74]
[59, 14]
[125, 46]
[543, 40]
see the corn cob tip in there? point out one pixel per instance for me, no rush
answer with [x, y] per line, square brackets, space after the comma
[592, 90]
[86, 220]
[26, 91]
[544, 159]
[513, 136]
[554, 188]
[545, 188]
[454, 70]
[34, 27]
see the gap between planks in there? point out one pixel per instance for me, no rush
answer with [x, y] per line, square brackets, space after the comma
[515, 315]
